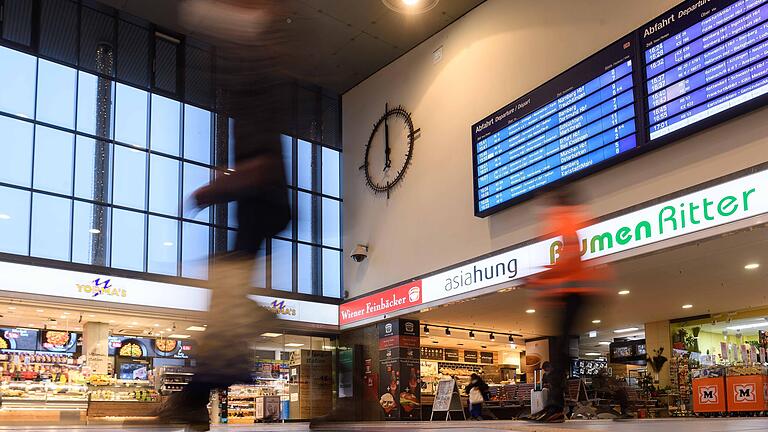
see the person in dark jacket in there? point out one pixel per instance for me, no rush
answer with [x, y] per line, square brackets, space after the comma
[475, 407]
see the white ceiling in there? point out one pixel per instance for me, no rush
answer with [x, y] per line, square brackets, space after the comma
[333, 43]
[710, 275]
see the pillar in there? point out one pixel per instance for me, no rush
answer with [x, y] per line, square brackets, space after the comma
[399, 369]
[96, 347]
[657, 336]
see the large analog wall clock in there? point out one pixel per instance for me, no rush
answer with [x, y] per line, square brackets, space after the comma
[389, 150]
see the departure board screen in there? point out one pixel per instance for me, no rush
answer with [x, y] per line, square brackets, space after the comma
[704, 62]
[576, 123]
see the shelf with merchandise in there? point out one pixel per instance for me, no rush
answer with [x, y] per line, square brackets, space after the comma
[42, 391]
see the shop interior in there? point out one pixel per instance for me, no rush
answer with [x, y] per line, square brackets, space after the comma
[43, 369]
[706, 290]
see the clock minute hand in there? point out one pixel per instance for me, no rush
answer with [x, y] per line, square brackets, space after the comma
[387, 149]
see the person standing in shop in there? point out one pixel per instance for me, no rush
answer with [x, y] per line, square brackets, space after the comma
[250, 93]
[566, 286]
[477, 390]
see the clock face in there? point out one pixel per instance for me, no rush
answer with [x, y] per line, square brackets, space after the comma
[389, 150]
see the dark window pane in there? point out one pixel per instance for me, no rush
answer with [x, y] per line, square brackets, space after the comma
[305, 217]
[54, 152]
[128, 240]
[306, 260]
[331, 273]
[133, 53]
[163, 185]
[95, 105]
[17, 21]
[58, 30]
[197, 134]
[97, 37]
[197, 80]
[14, 221]
[51, 225]
[331, 223]
[288, 157]
[166, 125]
[282, 265]
[195, 244]
[165, 64]
[305, 165]
[15, 151]
[131, 116]
[129, 179]
[232, 214]
[162, 250]
[93, 165]
[196, 176]
[331, 172]
[17, 83]
[90, 234]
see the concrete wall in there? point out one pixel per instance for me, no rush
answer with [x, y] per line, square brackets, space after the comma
[493, 55]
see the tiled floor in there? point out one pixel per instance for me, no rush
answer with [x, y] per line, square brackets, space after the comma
[671, 425]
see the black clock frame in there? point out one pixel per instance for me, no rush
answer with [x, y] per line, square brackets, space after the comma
[396, 112]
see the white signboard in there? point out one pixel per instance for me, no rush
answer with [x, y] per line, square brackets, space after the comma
[711, 207]
[299, 310]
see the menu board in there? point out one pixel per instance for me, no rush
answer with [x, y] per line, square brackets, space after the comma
[429, 353]
[470, 356]
[486, 357]
[21, 339]
[57, 341]
[571, 125]
[451, 354]
[704, 62]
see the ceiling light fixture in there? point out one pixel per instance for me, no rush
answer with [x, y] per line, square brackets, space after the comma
[593, 354]
[134, 323]
[751, 266]
[687, 306]
[626, 330]
[180, 336]
[434, 341]
[530, 311]
[492, 337]
[447, 331]
[472, 335]
[596, 321]
[623, 292]
[748, 326]
[11, 307]
[294, 345]
[272, 335]
[410, 7]
[426, 330]
[196, 328]
[39, 310]
[511, 339]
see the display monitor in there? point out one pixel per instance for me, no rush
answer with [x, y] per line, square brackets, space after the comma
[704, 62]
[21, 339]
[576, 123]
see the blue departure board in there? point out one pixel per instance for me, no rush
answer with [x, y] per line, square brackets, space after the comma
[577, 122]
[703, 62]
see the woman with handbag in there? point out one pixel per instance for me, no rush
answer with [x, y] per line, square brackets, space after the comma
[477, 390]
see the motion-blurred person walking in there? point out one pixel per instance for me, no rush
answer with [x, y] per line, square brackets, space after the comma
[249, 86]
[567, 286]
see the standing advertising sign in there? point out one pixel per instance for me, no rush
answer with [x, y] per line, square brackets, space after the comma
[399, 379]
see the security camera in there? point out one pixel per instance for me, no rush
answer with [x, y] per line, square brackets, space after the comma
[360, 253]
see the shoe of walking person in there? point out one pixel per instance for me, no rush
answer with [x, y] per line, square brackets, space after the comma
[551, 415]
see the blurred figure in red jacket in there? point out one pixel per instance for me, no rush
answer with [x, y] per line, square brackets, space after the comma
[566, 285]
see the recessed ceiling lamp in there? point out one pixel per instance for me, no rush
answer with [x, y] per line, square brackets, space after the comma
[426, 330]
[623, 292]
[271, 334]
[751, 266]
[687, 306]
[196, 328]
[626, 330]
[410, 7]
[596, 321]
[294, 345]
[530, 311]
[593, 354]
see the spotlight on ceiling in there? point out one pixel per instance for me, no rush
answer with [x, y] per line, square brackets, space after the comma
[472, 335]
[426, 330]
[410, 7]
[447, 331]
